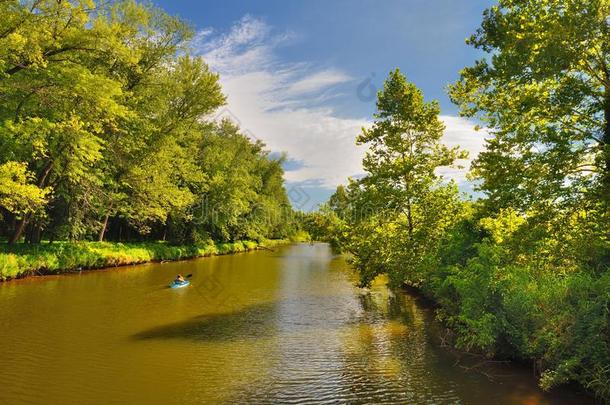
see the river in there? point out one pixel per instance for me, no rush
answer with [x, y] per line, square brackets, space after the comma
[286, 326]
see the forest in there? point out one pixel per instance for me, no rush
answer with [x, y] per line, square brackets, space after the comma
[108, 132]
[521, 269]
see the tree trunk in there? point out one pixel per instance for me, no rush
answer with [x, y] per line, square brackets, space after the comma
[168, 232]
[410, 220]
[409, 207]
[36, 233]
[103, 230]
[21, 224]
[407, 181]
[28, 233]
[42, 179]
[606, 146]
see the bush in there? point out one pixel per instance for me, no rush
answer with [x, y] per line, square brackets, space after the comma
[21, 260]
[513, 292]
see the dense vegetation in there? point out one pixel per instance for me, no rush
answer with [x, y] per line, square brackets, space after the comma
[106, 132]
[61, 257]
[522, 272]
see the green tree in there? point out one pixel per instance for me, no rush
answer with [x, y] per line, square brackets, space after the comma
[339, 201]
[18, 194]
[58, 100]
[411, 203]
[152, 158]
[102, 107]
[104, 125]
[544, 92]
[539, 275]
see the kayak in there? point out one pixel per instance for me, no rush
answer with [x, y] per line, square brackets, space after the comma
[179, 284]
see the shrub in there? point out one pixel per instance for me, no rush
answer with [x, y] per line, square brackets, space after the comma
[21, 260]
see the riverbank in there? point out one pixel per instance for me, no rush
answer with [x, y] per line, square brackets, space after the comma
[23, 260]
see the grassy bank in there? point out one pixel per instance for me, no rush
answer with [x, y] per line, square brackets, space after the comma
[22, 260]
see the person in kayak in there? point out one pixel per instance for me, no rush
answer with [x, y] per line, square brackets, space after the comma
[179, 279]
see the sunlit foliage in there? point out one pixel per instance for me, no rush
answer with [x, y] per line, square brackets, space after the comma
[106, 132]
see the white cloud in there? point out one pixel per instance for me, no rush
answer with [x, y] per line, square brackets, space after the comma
[318, 81]
[324, 142]
[247, 47]
[273, 101]
[461, 132]
[279, 103]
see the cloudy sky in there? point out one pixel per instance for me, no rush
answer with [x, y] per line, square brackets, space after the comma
[302, 75]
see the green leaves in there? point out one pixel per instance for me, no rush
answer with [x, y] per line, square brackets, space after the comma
[104, 109]
[404, 144]
[244, 195]
[400, 209]
[545, 93]
[17, 193]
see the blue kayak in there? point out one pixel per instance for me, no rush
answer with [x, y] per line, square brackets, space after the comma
[179, 284]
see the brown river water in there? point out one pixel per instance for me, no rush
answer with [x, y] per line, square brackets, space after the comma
[286, 326]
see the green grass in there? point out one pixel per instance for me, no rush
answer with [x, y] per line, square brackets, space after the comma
[22, 260]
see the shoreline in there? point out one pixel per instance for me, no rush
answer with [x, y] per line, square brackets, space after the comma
[445, 337]
[23, 261]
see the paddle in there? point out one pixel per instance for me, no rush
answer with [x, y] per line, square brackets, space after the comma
[189, 275]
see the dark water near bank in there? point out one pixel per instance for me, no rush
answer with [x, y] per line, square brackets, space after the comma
[262, 327]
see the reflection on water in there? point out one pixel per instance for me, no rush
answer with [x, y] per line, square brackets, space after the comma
[253, 322]
[261, 327]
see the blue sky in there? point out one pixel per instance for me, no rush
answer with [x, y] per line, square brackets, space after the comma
[300, 75]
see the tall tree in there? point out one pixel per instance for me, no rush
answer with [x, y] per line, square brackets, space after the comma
[101, 106]
[103, 123]
[339, 201]
[152, 157]
[410, 201]
[404, 146]
[544, 91]
[57, 97]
